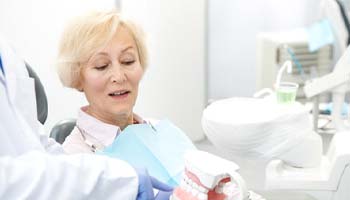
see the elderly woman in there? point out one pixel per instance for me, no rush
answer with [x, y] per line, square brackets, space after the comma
[104, 56]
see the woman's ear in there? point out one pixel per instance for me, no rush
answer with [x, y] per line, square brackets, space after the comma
[80, 87]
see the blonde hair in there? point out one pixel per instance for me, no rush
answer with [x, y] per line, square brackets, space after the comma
[87, 34]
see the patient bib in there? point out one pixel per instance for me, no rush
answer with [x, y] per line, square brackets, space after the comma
[158, 148]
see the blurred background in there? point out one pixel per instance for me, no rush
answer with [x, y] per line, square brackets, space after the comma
[200, 50]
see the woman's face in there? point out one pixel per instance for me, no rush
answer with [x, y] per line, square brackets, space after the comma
[111, 78]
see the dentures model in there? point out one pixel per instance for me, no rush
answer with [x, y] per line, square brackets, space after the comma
[208, 177]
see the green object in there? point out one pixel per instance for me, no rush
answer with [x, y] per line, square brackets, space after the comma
[286, 92]
[285, 97]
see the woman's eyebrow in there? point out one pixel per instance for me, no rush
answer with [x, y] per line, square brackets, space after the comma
[127, 48]
[101, 54]
[106, 54]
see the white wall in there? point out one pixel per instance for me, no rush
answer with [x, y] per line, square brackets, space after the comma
[174, 86]
[33, 27]
[232, 29]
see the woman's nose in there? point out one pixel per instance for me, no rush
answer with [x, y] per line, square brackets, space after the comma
[117, 74]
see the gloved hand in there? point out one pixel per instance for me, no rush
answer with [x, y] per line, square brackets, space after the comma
[146, 185]
[163, 195]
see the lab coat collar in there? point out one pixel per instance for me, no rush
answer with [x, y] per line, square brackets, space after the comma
[2, 70]
[2, 79]
[14, 70]
[21, 97]
[20, 87]
[103, 132]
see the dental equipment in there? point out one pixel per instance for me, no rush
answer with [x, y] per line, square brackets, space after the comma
[337, 82]
[233, 127]
[256, 129]
[209, 177]
[263, 129]
[285, 91]
[286, 65]
[296, 61]
[273, 49]
[244, 127]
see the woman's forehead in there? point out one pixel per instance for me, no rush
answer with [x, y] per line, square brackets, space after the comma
[123, 38]
[122, 41]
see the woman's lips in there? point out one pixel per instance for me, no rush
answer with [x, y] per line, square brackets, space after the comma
[119, 95]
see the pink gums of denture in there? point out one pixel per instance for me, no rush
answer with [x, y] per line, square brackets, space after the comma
[212, 195]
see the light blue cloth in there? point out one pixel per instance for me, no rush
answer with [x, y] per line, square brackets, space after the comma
[161, 150]
[320, 34]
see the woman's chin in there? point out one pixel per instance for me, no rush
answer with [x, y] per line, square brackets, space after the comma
[122, 112]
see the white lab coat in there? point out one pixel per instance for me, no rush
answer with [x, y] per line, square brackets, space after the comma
[28, 170]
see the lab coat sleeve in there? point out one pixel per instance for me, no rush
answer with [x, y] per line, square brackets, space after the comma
[38, 175]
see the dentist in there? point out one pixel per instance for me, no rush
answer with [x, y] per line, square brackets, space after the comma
[34, 167]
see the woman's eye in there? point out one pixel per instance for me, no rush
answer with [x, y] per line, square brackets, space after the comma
[101, 67]
[128, 62]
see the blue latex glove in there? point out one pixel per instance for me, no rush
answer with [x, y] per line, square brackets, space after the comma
[163, 195]
[146, 185]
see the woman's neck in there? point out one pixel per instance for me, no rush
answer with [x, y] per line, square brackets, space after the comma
[122, 121]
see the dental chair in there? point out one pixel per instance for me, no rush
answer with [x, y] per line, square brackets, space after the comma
[63, 128]
[289, 171]
[40, 95]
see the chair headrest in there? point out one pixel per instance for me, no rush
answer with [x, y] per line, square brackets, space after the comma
[41, 99]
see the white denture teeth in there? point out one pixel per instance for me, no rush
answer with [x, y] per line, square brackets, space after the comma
[202, 196]
[202, 189]
[190, 182]
[183, 183]
[195, 185]
[188, 188]
[194, 192]
[186, 178]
